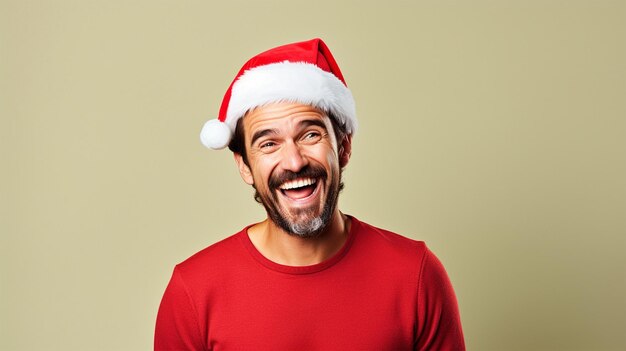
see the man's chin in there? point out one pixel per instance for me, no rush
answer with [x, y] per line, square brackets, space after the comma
[304, 219]
[306, 229]
[302, 222]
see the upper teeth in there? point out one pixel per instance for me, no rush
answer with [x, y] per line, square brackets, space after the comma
[298, 183]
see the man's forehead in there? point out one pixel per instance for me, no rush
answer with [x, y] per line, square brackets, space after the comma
[283, 114]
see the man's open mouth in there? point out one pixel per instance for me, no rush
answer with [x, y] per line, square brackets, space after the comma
[299, 189]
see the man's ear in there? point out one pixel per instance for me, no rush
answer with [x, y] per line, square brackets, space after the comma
[345, 150]
[244, 170]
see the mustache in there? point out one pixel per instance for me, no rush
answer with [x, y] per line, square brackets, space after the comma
[311, 171]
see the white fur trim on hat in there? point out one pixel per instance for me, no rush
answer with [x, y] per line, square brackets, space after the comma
[291, 82]
[284, 81]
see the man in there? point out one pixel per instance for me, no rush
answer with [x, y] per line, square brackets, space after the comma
[308, 277]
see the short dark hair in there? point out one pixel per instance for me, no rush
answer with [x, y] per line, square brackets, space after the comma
[238, 143]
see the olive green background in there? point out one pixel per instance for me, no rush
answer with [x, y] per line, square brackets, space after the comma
[493, 130]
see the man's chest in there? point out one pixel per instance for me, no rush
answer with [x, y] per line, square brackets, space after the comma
[311, 314]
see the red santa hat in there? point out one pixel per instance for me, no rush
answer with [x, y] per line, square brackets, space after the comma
[303, 72]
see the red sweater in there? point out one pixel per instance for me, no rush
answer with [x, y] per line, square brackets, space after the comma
[381, 291]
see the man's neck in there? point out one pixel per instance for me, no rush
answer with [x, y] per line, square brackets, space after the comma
[292, 250]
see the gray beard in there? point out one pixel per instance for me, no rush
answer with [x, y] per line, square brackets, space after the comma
[304, 229]
[307, 230]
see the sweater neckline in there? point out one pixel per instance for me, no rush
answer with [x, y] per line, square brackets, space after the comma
[267, 263]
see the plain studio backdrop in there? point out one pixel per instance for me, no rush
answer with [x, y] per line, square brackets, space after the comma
[493, 130]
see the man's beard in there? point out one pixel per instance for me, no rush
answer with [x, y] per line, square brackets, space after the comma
[307, 222]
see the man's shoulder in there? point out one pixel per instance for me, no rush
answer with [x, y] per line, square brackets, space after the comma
[220, 254]
[389, 241]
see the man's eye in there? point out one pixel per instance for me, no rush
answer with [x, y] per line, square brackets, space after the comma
[311, 135]
[267, 144]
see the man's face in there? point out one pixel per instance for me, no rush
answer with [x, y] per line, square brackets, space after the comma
[294, 164]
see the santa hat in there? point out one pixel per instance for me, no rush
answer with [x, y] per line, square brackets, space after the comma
[304, 72]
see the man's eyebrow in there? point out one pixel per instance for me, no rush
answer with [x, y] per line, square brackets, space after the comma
[313, 122]
[261, 133]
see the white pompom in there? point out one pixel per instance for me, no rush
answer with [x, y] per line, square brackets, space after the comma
[215, 134]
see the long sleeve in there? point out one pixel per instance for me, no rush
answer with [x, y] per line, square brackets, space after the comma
[439, 322]
[177, 326]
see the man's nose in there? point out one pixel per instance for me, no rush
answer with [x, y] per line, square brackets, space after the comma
[292, 157]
